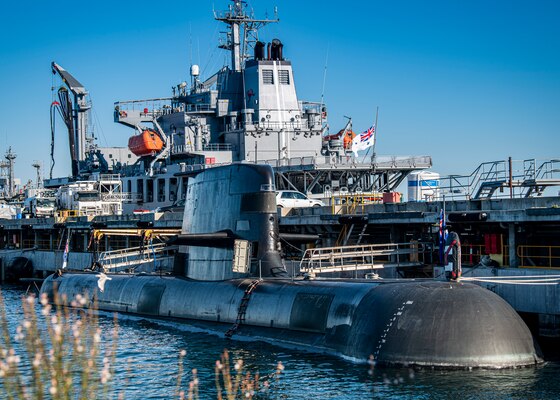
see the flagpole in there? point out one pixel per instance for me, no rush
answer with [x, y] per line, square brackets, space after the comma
[375, 133]
[374, 139]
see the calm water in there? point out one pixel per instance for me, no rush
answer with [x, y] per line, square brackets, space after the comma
[146, 368]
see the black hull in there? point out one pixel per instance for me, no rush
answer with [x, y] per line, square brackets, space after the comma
[409, 323]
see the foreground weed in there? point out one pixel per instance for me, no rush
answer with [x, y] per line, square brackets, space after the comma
[59, 352]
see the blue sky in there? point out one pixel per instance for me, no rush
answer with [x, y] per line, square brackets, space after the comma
[462, 81]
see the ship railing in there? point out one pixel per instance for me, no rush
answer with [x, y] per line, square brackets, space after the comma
[135, 111]
[290, 162]
[115, 197]
[129, 197]
[189, 148]
[155, 104]
[267, 127]
[200, 107]
[218, 147]
[360, 257]
[309, 106]
[104, 178]
[389, 162]
[182, 149]
[128, 258]
[407, 162]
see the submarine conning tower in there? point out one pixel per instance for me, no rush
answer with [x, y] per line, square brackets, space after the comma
[230, 224]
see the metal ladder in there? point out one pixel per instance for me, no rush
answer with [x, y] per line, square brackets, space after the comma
[243, 308]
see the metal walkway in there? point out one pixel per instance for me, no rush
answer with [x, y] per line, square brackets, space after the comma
[359, 258]
[119, 260]
[503, 179]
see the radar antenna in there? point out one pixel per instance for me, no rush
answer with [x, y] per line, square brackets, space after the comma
[37, 166]
[241, 23]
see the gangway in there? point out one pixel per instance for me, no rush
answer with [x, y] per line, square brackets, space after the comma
[359, 258]
[132, 257]
[503, 178]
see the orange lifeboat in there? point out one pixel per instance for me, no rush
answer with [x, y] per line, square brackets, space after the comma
[148, 142]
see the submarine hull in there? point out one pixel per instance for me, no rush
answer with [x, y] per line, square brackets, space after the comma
[407, 323]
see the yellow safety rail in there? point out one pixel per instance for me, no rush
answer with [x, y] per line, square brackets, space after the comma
[63, 215]
[538, 256]
[352, 203]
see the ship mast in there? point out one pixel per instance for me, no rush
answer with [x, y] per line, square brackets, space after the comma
[237, 18]
[10, 156]
[37, 166]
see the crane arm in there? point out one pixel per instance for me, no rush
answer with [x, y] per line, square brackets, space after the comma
[73, 84]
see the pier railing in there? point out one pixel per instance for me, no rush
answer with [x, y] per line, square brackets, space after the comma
[539, 256]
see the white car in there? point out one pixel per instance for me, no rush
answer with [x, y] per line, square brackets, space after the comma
[292, 198]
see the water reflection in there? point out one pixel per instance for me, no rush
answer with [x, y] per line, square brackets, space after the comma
[148, 357]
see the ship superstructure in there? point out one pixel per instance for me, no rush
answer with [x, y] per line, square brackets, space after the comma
[248, 111]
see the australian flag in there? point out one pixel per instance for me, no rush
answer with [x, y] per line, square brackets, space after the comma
[363, 140]
[442, 237]
[65, 255]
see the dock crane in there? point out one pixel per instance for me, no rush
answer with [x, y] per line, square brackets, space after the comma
[75, 113]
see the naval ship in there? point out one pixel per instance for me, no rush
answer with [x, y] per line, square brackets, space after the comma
[247, 111]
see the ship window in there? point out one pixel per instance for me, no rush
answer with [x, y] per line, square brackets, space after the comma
[172, 189]
[284, 77]
[268, 77]
[140, 189]
[161, 190]
[184, 183]
[149, 191]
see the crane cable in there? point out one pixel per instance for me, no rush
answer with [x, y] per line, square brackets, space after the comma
[53, 106]
[54, 103]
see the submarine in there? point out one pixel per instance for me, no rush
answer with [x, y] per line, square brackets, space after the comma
[230, 279]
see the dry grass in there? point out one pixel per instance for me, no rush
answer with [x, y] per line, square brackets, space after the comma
[60, 353]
